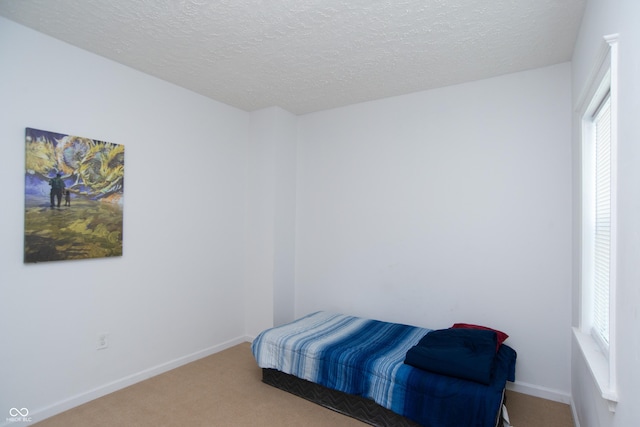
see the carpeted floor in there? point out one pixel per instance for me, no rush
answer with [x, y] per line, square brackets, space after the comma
[225, 389]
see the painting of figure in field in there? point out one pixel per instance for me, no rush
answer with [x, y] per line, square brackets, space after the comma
[74, 190]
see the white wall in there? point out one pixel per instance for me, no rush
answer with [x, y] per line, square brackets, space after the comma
[605, 17]
[269, 268]
[451, 205]
[177, 292]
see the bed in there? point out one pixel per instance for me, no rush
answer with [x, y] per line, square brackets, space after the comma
[371, 370]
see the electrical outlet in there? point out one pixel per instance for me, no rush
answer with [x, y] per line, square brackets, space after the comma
[103, 341]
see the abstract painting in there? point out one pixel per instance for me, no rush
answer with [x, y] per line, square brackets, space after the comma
[74, 189]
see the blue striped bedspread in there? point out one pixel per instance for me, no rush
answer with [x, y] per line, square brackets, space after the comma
[365, 357]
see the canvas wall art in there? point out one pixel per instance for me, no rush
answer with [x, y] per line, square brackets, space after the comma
[74, 189]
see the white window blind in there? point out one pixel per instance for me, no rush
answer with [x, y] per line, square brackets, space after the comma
[602, 216]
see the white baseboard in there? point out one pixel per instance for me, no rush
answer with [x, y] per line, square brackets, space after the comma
[538, 391]
[66, 404]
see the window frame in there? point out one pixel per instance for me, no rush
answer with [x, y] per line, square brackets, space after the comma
[600, 357]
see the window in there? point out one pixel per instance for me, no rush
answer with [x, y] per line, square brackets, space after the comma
[599, 229]
[598, 133]
[602, 224]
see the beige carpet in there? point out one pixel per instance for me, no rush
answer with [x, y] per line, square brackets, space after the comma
[225, 390]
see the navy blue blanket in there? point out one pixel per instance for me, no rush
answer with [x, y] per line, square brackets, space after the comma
[456, 402]
[462, 353]
[366, 358]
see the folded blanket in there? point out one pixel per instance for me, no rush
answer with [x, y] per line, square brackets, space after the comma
[462, 353]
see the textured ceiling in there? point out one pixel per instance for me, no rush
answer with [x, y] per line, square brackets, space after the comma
[310, 55]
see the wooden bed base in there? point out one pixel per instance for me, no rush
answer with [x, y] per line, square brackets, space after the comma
[365, 410]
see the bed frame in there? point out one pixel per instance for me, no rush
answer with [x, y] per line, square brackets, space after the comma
[365, 410]
[357, 407]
